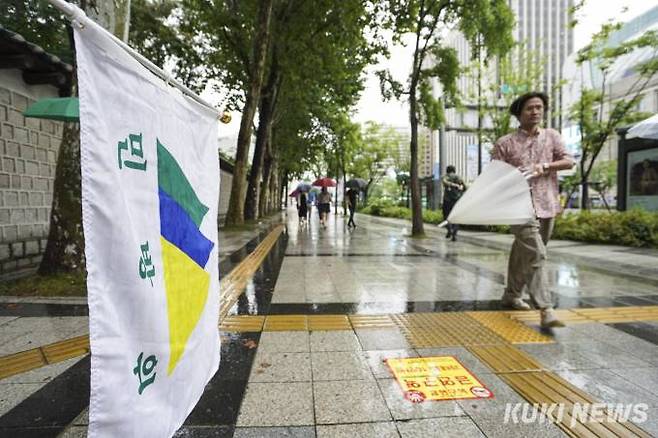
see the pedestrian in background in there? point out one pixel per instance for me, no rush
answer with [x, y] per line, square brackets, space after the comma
[541, 151]
[302, 209]
[324, 206]
[351, 205]
[453, 188]
[309, 203]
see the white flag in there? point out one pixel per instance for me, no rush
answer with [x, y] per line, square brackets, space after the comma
[150, 189]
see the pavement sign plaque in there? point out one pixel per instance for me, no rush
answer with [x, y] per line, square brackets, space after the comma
[436, 378]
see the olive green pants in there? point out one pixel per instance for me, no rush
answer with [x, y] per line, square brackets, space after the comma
[527, 262]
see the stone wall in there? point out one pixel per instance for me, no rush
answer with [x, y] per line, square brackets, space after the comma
[226, 179]
[28, 155]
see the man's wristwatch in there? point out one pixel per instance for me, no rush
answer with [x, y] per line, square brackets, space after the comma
[545, 166]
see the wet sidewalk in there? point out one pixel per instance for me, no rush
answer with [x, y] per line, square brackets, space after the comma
[639, 262]
[304, 349]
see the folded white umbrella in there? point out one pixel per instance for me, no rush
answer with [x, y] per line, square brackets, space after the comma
[647, 128]
[499, 196]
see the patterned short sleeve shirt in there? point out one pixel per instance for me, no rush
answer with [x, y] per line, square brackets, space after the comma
[523, 149]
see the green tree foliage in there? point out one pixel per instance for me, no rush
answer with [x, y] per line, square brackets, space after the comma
[312, 68]
[39, 23]
[158, 33]
[370, 159]
[505, 79]
[603, 178]
[317, 54]
[490, 21]
[596, 113]
[386, 189]
[235, 36]
[322, 59]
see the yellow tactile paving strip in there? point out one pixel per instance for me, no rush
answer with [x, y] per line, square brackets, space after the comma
[505, 358]
[286, 323]
[372, 321]
[244, 323]
[233, 284]
[424, 330]
[532, 316]
[546, 387]
[328, 322]
[447, 329]
[509, 329]
[603, 315]
[276, 323]
[45, 355]
[231, 287]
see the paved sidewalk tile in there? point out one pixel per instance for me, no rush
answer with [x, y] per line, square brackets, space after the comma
[275, 432]
[382, 339]
[344, 340]
[358, 430]
[340, 365]
[284, 342]
[277, 404]
[349, 401]
[447, 427]
[281, 367]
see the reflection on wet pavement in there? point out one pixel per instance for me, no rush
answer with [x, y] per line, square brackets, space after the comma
[378, 268]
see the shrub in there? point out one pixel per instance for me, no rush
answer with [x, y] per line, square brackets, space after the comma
[432, 216]
[377, 206]
[636, 227]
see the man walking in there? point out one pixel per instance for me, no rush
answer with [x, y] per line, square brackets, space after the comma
[453, 188]
[351, 205]
[542, 152]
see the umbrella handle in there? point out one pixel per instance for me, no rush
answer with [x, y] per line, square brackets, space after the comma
[443, 224]
[528, 174]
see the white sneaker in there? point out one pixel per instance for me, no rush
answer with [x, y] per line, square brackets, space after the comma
[549, 319]
[516, 303]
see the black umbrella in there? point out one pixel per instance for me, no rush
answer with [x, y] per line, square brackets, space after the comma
[356, 183]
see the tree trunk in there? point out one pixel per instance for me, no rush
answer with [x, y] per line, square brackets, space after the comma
[265, 120]
[284, 188]
[265, 187]
[337, 181]
[235, 213]
[342, 169]
[123, 19]
[584, 202]
[66, 243]
[584, 199]
[416, 207]
[274, 200]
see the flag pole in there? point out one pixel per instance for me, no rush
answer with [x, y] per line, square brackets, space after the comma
[78, 16]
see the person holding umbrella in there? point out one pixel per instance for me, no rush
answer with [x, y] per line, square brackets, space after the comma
[302, 209]
[355, 185]
[324, 198]
[351, 205]
[324, 206]
[541, 152]
[453, 187]
[310, 202]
